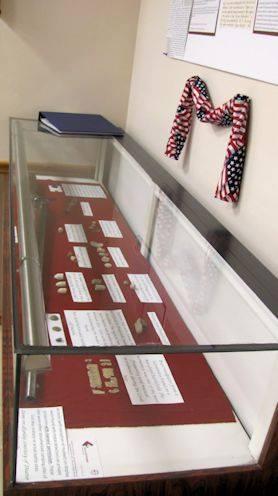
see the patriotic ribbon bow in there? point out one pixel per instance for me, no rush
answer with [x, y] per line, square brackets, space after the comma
[233, 113]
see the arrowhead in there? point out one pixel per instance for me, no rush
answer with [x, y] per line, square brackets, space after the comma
[87, 443]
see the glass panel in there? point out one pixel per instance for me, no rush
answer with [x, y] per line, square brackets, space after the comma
[217, 306]
[105, 260]
[87, 416]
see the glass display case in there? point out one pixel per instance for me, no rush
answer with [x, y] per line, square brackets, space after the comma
[144, 334]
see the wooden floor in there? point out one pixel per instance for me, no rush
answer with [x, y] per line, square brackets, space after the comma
[1, 447]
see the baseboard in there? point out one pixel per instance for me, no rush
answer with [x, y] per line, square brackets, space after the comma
[4, 166]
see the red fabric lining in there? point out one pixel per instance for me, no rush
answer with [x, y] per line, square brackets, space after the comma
[67, 382]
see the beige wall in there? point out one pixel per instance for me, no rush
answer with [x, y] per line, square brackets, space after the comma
[67, 55]
[157, 83]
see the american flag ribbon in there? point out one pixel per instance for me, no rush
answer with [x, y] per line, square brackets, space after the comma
[233, 113]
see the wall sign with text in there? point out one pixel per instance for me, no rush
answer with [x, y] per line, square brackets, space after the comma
[238, 36]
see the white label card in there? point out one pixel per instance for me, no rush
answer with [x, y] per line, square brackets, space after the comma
[84, 453]
[98, 328]
[55, 329]
[55, 189]
[266, 19]
[78, 287]
[15, 235]
[113, 288]
[86, 209]
[158, 327]
[68, 179]
[75, 233]
[144, 288]
[83, 190]
[117, 255]
[149, 380]
[110, 229]
[42, 448]
[82, 257]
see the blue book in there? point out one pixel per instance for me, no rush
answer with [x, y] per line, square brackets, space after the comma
[83, 124]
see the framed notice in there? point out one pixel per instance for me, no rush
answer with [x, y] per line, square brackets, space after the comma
[266, 18]
[224, 33]
[204, 16]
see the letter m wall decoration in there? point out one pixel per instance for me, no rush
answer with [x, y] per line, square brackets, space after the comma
[233, 113]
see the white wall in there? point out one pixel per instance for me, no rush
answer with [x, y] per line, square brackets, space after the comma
[157, 83]
[65, 55]
[78, 56]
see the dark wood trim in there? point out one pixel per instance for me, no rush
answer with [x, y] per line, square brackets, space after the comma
[4, 167]
[7, 360]
[113, 482]
[248, 481]
[269, 454]
[248, 267]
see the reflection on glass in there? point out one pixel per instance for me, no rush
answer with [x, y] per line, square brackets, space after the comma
[106, 253]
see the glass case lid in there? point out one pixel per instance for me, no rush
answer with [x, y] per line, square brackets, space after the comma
[108, 257]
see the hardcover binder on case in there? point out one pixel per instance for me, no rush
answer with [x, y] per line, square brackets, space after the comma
[83, 124]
